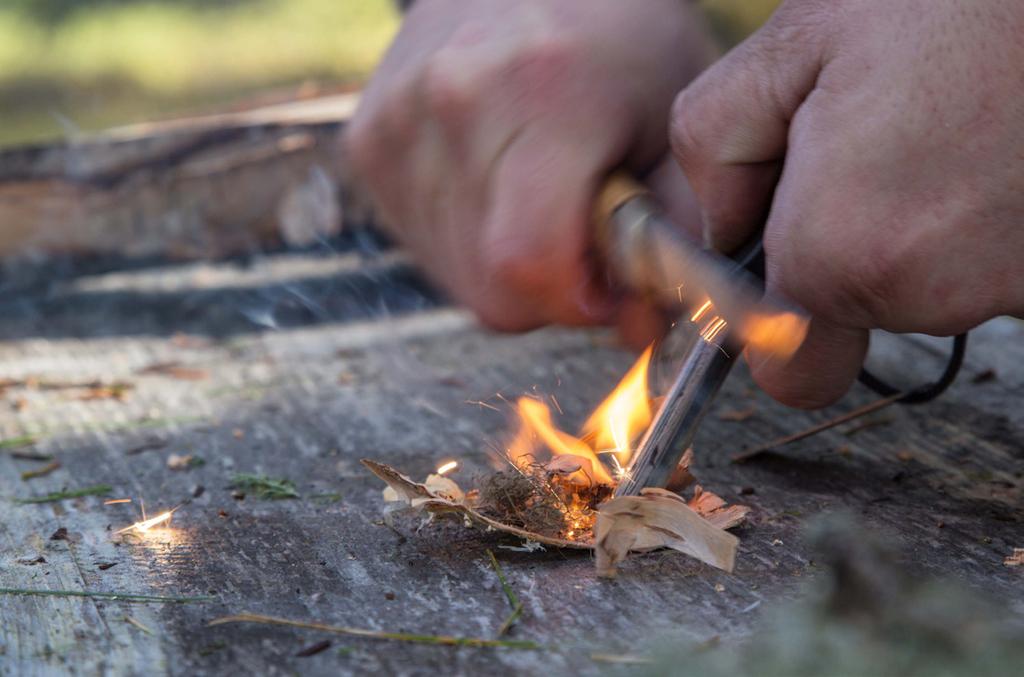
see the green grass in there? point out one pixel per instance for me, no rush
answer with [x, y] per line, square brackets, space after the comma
[111, 63]
[69, 65]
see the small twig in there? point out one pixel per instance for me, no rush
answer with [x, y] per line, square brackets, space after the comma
[117, 596]
[40, 472]
[443, 640]
[510, 595]
[620, 659]
[98, 490]
[869, 408]
[137, 623]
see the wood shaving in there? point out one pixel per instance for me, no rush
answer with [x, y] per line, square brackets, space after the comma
[659, 519]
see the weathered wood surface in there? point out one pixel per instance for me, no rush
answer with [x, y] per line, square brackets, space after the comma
[315, 361]
[212, 185]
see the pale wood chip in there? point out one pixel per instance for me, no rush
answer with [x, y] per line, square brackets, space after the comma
[657, 520]
[1016, 559]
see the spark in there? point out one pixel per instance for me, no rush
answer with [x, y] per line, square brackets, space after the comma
[117, 500]
[148, 524]
[447, 467]
[481, 403]
[701, 311]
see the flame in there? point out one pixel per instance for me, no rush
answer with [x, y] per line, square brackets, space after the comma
[624, 415]
[611, 429]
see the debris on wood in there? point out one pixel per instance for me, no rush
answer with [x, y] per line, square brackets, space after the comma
[1016, 559]
[61, 534]
[31, 561]
[40, 472]
[314, 649]
[131, 620]
[99, 391]
[148, 445]
[442, 640]
[264, 487]
[176, 370]
[737, 415]
[103, 566]
[184, 461]
[516, 503]
[984, 376]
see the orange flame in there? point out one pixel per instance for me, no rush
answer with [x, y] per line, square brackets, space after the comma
[624, 415]
[611, 429]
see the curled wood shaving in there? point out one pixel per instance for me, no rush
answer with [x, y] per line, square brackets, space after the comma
[656, 519]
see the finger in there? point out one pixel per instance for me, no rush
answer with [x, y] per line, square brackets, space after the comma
[640, 323]
[820, 372]
[536, 237]
[729, 128]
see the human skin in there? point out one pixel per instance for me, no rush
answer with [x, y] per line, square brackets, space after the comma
[900, 204]
[487, 129]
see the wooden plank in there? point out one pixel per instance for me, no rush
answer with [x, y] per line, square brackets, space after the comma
[308, 399]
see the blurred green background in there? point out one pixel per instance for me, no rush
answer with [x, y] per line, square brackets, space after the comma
[82, 65]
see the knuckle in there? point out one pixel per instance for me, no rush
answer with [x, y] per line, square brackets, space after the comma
[448, 87]
[685, 134]
[512, 266]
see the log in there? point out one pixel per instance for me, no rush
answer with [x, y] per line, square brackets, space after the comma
[198, 187]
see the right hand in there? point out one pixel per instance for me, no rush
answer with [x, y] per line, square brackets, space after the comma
[489, 127]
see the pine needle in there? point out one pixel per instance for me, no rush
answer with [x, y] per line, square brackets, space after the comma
[442, 640]
[98, 490]
[15, 442]
[510, 595]
[116, 596]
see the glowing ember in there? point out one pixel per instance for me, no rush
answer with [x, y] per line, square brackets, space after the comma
[147, 524]
[447, 467]
[114, 501]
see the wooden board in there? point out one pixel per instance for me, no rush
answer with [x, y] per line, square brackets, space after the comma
[316, 360]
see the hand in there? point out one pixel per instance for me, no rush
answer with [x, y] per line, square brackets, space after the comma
[900, 204]
[486, 131]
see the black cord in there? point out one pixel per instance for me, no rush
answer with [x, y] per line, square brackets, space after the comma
[929, 391]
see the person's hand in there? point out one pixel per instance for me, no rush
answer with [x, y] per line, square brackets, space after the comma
[489, 125]
[885, 142]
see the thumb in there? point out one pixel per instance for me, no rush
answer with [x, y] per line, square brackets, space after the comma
[729, 128]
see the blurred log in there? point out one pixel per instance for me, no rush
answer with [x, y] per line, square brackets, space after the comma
[196, 187]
